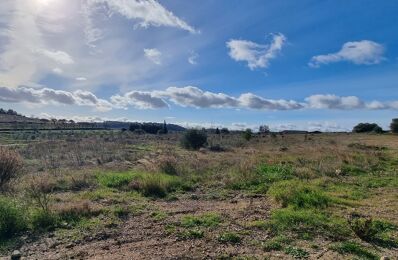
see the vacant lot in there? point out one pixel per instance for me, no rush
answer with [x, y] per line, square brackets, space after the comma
[119, 195]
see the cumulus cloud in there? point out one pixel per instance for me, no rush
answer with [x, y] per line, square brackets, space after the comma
[153, 55]
[147, 12]
[195, 97]
[52, 96]
[188, 96]
[140, 100]
[334, 102]
[256, 55]
[361, 52]
[60, 57]
[250, 100]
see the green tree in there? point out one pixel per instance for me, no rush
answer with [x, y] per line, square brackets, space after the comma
[394, 126]
[193, 139]
[248, 134]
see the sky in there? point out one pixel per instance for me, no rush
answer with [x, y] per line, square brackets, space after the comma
[310, 65]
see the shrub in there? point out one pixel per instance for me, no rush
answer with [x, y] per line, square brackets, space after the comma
[193, 139]
[299, 195]
[229, 237]
[367, 128]
[394, 126]
[39, 189]
[10, 166]
[12, 218]
[44, 220]
[247, 134]
[167, 165]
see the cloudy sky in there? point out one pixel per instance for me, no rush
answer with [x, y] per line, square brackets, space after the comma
[316, 65]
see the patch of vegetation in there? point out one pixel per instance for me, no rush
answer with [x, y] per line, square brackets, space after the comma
[12, 218]
[43, 221]
[229, 237]
[115, 179]
[309, 221]
[260, 224]
[193, 139]
[299, 195]
[275, 172]
[159, 215]
[348, 247]
[148, 184]
[372, 231]
[275, 243]
[205, 220]
[296, 252]
[191, 233]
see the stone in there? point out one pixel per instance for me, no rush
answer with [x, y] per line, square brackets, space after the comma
[16, 255]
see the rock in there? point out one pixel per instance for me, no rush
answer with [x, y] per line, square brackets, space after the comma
[16, 255]
[384, 258]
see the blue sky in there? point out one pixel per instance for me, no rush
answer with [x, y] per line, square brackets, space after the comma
[316, 65]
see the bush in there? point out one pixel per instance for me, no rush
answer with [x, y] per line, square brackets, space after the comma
[299, 195]
[367, 128]
[12, 219]
[44, 220]
[193, 139]
[394, 126]
[10, 166]
[247, 134]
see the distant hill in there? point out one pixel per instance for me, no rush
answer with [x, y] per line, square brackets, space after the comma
[11, 120]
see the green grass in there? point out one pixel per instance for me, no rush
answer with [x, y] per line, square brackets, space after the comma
[205, 220]
[275, 243]
[308, 222]
[356, 249]
[148, 184]
[299, 195]
[229, 237]
[275, 172]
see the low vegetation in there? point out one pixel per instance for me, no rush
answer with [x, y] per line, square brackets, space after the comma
[295, 195]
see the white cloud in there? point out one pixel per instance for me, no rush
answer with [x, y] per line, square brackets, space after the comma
[195, 97]
[362, 52]
[153, 55]
[140, 100]
[148, 12]
[256, 55]
[81, 78]
[250, 100]
[334, 102]
[192, 59]
[52, 96]
[60, 57]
